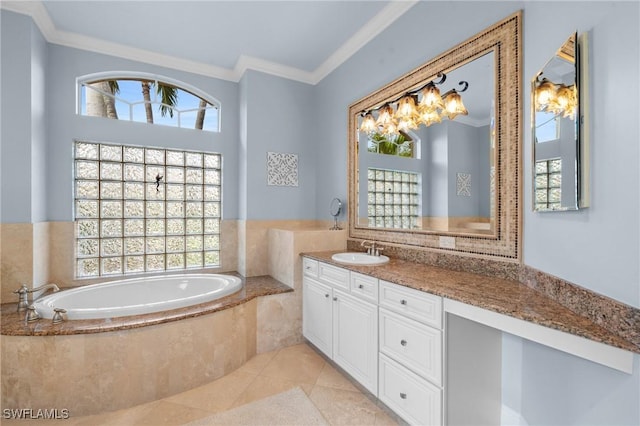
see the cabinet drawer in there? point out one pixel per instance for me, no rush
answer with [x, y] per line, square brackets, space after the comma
[310, 267]
[415, 304]
[414, 345]
[414, 399]
[333, 276]
[364, 286]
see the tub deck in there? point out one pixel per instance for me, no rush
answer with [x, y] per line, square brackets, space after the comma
[13, 324]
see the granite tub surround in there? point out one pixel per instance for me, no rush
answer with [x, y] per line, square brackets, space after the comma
[92, 366]
[94, 373]
[504, 296]
[13, 323]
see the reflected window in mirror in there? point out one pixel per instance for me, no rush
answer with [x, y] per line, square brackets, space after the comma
[393, 199]
[464, 151]
[548, 182]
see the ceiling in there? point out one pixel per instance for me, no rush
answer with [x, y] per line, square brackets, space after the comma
[300, 40]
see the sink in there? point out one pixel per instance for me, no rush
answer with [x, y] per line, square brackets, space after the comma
[355, 258]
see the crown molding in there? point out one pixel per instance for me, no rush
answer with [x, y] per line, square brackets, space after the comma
[368, 32]
[39, 14]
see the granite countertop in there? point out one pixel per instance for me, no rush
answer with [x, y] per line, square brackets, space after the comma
[13, 323]
[499, 295]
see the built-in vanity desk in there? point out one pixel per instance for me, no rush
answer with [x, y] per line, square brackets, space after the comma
[406, 332]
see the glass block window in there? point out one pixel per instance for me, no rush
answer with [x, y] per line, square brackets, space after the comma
[143, 209]
[548, 180]
[393, 198]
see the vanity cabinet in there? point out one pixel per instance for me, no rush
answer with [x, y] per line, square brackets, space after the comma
[342, 323]
[411, 353]
[386, 336]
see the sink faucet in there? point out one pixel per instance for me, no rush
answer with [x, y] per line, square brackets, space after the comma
[23, 294]
[373, 249]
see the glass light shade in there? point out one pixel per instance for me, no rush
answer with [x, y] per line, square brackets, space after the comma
[409, 124]
[368, 123]
[545, 94]
[453, 105]
[431, 98]
[390, 128]
[565, 102]
[406, 108]
[385, 116]
[429, 117]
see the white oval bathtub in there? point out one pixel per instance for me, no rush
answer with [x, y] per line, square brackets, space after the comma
[137, 296]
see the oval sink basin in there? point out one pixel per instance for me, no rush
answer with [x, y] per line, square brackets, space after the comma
[355, 258]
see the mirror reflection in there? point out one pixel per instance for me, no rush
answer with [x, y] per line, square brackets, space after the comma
[426, 159]
[555, 125]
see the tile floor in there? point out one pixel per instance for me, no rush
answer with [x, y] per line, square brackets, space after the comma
[339, 401]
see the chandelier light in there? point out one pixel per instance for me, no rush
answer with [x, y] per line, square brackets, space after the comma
[424, 106]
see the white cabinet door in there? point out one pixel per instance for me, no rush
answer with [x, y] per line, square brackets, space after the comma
[355, 338]
[317, 308]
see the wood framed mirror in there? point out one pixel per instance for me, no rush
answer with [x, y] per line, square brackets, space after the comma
[452, 185]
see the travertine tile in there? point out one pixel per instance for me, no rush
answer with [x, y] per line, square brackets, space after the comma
[16, 268]
[218, 395]
[256, 364]
[342, 407]
[263, 387]
[297, 363]
[332, 378]
[279, 322]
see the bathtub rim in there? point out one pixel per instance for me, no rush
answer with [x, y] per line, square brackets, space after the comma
[13, 324]
[45, 307]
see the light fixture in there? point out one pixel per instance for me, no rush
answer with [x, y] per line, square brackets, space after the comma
[424, 105]
[558, 99]
[453, 105]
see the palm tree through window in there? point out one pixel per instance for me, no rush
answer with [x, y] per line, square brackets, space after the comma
[148, 100]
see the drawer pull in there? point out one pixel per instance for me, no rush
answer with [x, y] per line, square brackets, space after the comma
[403, 302]
[335, 298]
[360, 286]
[403, 395]
[403, 342]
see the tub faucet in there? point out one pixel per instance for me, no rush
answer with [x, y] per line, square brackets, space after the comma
[23, 294]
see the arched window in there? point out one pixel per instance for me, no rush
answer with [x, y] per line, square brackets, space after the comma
[147, 98]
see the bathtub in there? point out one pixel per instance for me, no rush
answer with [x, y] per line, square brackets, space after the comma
[137, 296]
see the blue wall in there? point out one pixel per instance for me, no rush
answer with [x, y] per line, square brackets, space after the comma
[598, 248]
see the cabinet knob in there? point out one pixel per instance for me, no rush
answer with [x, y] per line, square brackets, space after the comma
[308, 267]
[360, 286]
[403, 342]
[403, 395]
[326, 295]
[403, 302]
[335, 298]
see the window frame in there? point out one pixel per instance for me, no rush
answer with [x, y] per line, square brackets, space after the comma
[134, 75]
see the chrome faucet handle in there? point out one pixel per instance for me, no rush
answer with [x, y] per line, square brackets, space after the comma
[58, 315]
[32, 314]
[368, 247]
[378, 250]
